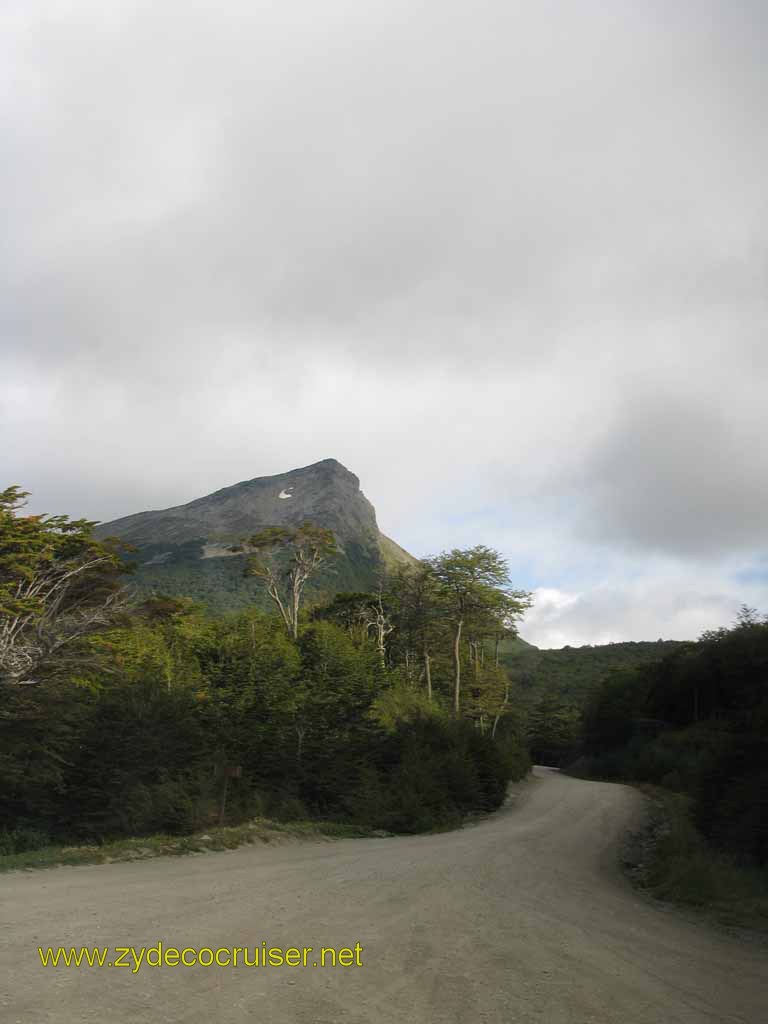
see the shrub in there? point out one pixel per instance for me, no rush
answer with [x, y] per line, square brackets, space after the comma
[22, 839]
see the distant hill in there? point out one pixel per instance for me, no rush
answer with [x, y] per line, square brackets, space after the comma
[570, 673]
[184, 550]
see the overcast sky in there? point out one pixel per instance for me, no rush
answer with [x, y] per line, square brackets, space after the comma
[504, 260]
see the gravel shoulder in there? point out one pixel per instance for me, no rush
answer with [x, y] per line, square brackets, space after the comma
[523, 917]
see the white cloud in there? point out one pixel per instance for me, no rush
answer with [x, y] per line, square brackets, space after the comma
[669, 601]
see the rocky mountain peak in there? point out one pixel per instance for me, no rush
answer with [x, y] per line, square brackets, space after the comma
[188, 546]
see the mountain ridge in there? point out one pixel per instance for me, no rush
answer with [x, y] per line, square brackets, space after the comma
[184, 549]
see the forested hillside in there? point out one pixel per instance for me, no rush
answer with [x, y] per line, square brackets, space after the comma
[572, 672]
[554, 685]
[695, 723]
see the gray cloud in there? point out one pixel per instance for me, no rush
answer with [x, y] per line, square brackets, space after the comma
[505, 260]
[682, 477]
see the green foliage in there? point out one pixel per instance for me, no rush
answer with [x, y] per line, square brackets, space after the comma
[671, 860]
[472, 589]
[554, 731]
[165, 719]
[57, 585]
[456, 602]
[22, 840]
[695, 722]
[317, 726]
[572, 673]
[39, 735]
[429, 773]
[141, 763]
[400, 703]
[466, 573]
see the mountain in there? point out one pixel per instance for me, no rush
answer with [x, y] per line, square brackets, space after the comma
[184, 550]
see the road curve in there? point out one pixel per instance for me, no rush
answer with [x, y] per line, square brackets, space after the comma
[522, 918]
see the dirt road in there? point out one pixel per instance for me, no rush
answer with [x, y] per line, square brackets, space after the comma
[523, 918]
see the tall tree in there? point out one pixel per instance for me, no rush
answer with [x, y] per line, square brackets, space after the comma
[285, 559]
[414, 595]
[472, 582]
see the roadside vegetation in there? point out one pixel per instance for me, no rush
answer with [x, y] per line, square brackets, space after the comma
[227, 837]
[554, 685]
[694, 726]
[126, 716]
[670, 860]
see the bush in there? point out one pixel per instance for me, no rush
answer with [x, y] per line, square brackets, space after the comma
[430, 773]
[731, 807]
[679, 865]
[696, 723]
[21, 840]
[288, 809]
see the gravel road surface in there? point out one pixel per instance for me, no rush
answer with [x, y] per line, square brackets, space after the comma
[522, 918]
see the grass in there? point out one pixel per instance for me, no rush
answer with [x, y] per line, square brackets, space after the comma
[259, 830]
[670, 860]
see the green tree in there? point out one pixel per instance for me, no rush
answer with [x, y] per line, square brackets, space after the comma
[473, 584]
[58, 584]
[415, 597]
[339, 682]
[554, 728]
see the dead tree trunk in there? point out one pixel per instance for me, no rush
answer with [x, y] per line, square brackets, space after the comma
[382, 627]
[457, 668]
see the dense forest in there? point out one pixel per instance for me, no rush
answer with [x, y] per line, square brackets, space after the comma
[127, 714]
[553, 686]
[570, 673]
[696, 723]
